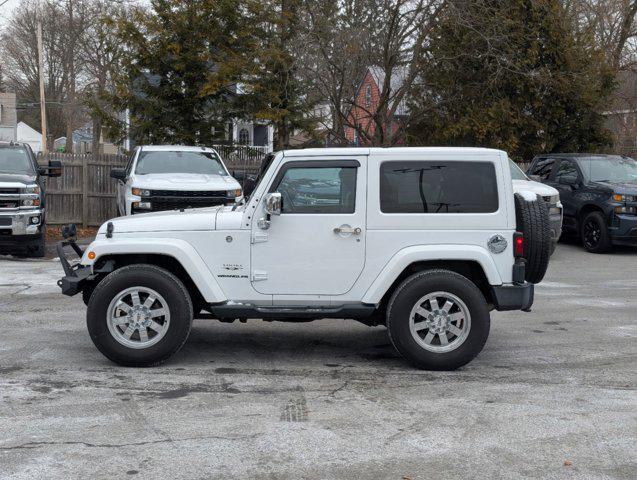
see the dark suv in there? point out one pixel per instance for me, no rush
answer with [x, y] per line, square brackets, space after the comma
[599, 194]
[22, 198]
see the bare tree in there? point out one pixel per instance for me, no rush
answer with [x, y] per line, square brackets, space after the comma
[19, 52]
[100, 54]
[349, 37]
[613, 26]
[75, 16]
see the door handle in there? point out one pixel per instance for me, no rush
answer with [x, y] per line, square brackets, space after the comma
[353, 230]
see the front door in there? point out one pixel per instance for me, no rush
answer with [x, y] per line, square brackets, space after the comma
[317, 245]
[567, 169]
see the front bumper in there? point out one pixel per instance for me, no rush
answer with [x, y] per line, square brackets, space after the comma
[513, 297]
[19, 222]
[76, 276]
[623, 230]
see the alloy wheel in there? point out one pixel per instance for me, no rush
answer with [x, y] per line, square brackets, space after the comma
[592, 233]
[440, 322]
[138, 317]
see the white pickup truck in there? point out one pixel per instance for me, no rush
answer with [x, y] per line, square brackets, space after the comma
[425, 241]
[172, 177]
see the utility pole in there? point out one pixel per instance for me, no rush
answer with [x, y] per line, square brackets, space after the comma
[41, 71]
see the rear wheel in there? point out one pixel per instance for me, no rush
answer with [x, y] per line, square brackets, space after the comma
[139, 315]
[438, 320]
[594, 233]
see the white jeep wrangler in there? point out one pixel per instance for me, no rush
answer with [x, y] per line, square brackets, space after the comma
[425, 241]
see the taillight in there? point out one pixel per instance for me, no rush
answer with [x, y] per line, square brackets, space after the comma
[518, 244]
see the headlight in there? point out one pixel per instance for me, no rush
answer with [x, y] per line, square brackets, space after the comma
[31, 202]
[234, 193]
[140, 192]
[142, 205]
[620, 197]
[554, 199]
[32, 189]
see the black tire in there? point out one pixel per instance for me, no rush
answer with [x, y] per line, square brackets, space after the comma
[594, 233]
[157, 279]
[405, 297]
[87, 292]
[533, 221]
[38, 250]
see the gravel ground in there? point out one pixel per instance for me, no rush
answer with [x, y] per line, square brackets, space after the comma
[551, 396]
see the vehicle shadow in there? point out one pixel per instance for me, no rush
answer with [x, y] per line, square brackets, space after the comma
[255, 344]
[574, 241]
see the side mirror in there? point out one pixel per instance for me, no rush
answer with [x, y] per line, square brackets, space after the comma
[535, 178]
[54, 169]
[568, 180]
[118, 174]
[273, 203]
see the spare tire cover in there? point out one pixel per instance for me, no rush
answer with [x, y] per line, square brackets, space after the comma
[532, 219]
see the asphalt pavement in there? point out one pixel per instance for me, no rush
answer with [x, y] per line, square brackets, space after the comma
[551, 396]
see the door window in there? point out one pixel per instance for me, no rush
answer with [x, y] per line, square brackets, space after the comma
[543, 168]
[566, 170]
[438, 187]
[318, 190]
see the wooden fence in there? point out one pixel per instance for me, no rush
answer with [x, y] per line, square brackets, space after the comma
[86, 194]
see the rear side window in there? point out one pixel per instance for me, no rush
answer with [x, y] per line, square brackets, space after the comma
[543, 168]
[438, 187]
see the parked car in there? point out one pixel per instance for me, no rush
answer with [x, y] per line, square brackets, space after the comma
[550, 195]
[22, 200]
[422, 240]
[599, 194]
[170, 177]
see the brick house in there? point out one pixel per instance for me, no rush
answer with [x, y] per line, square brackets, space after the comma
[366, 104]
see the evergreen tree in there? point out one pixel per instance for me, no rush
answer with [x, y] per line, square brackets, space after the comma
[511, 75]
[182, 65]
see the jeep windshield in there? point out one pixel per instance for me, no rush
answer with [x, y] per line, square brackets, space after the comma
[201, 163]
[265, 165]
[611, 168]
[15, 160]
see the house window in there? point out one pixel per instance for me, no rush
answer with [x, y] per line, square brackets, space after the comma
[368, 96]
[244, 136]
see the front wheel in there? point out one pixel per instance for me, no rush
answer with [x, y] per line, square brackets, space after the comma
[594, 233]
[139, 315]
[438, 320]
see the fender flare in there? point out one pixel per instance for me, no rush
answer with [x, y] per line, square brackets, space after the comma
[180, 250]
[408, 255]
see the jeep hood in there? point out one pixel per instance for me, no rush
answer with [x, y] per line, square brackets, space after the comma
[191, 219]
[184, 181]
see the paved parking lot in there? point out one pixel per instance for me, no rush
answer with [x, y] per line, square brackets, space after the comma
[552, 395]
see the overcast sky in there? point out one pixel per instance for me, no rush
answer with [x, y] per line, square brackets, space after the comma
[7, 9]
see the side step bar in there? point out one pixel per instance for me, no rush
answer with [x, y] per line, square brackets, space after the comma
[235, 310]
